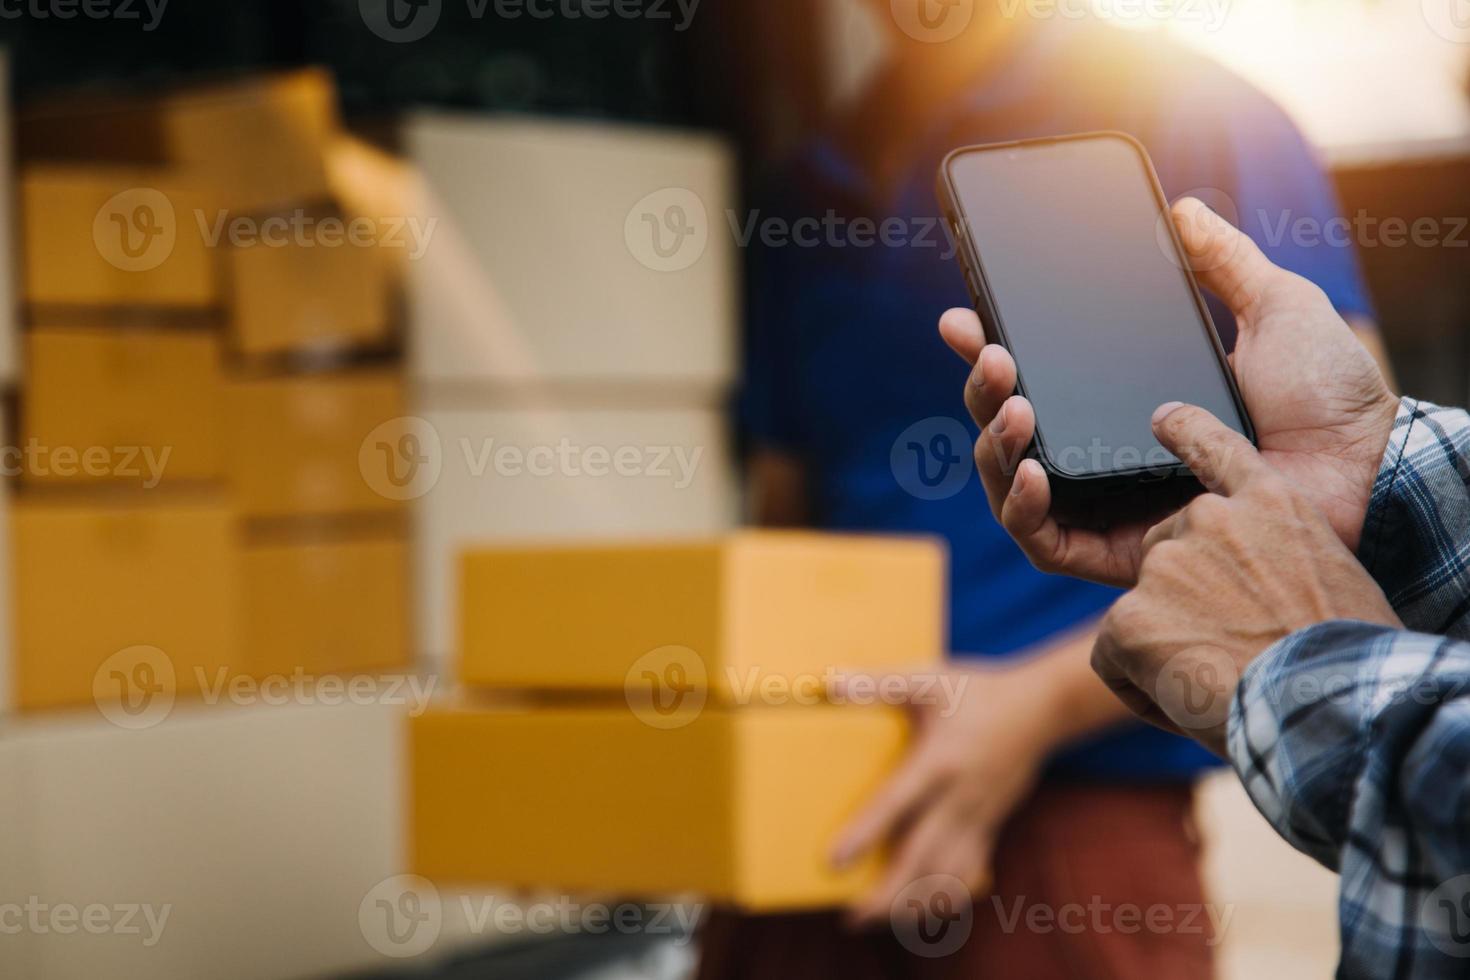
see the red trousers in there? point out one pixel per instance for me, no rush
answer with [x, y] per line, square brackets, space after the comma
[1090, 881]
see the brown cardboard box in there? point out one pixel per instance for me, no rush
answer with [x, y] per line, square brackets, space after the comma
[105, 237]
[261, 140]
[294, 442]
[133, 407]
[325, 603]
[307, 296]
[725, 614]
[97, 578]
[739, 805]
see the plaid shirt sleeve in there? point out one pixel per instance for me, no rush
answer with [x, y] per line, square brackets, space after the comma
[1353, 739]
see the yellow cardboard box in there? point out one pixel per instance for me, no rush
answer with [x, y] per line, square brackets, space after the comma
[307, 296]
[325, 603]
[97, 237]
[724, 614]
[294, 442]
[134, 407]
[96, 578]
[739, 805]
[261, 140]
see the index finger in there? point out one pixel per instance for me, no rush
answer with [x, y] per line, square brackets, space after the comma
[1222, 459]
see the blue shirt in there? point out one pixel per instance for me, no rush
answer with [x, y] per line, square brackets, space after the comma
[846, 369]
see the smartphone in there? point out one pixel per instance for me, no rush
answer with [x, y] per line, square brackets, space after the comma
[1074, 266]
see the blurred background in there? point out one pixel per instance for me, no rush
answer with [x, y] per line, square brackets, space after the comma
[305, 302]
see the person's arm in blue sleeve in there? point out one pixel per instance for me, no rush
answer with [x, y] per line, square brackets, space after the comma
[777, 486]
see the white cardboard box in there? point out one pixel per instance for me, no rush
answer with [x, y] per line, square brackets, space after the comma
[542, 473]
[542, 263]
[260, 827]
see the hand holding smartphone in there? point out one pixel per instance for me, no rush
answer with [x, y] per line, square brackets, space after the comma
[1075, 267]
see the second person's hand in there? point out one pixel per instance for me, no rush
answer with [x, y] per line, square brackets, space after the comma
[976, 754]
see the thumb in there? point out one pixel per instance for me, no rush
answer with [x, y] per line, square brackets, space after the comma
[1222, 459]
[1223, 258]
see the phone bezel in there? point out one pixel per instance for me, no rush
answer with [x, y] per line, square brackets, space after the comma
[995, 329]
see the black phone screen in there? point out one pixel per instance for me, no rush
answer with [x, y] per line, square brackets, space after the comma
[1091, 295]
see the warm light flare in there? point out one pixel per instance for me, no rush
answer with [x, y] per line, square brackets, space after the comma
[1352, 72]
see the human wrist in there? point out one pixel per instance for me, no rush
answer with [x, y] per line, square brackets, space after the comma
[1067, 700]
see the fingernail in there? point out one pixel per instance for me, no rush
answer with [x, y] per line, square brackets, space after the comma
[977, 376]
[998, 424]
[841, 857]
[1165, 410]
[1019, 483]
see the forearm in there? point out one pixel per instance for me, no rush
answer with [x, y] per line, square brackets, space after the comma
[1356, 731]
[1073, 702]
[1353, 741]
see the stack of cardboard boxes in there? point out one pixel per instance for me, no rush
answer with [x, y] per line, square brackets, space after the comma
[191, 512]
[8, 375]
[575, 381]
[675, 734]
[199, 488]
